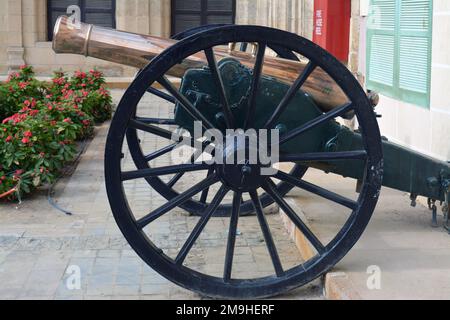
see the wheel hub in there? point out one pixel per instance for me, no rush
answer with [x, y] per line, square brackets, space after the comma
[240, 168]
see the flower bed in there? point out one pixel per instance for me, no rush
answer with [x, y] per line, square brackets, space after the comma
[40, 124]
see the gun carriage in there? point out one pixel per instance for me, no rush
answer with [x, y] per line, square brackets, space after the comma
[299, 90]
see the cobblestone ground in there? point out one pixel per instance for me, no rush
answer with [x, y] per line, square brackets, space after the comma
[40, 246]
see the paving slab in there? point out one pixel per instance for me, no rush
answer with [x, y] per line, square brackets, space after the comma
[45, 254]
[411, 258]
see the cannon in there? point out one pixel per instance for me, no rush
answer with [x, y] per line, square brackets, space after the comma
[287, 85]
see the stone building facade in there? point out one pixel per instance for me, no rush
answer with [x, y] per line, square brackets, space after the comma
[422, 127]
[24, 39]
[23, 34]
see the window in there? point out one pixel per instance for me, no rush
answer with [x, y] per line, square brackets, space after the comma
[399, 49]
[187, 14]
[98, 12]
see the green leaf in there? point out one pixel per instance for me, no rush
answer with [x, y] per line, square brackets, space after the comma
[37, 181]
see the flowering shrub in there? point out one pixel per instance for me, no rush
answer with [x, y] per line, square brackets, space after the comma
[40, 124]
[19, 87]
[87, 90]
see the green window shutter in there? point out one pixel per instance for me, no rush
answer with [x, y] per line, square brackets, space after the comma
[399, 49]
[381, 46]
[415, 51]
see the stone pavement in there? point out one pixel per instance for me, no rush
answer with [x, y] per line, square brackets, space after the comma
[41, 249]
[411, 258]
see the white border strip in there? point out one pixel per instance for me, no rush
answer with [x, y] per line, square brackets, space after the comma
[441, 65]
[440, 111]
[441, 13]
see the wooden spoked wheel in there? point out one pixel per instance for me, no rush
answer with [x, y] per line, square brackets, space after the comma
[240, 179]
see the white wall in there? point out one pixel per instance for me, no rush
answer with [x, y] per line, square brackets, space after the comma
[426, 130]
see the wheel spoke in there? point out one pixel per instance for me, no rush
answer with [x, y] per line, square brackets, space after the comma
[229, 118]
[324, 156]
[163, 133]
[315, 122]
[205, 192]
[160, 152]
[161, 94]
[257, 71]
[267, 235]
[310, 67]
[194, 158]
[150, 129]
[162, 171]
[237, 199]
[185, 103]
[172, 182]
[317, 190]
[178, 200]
[156, 121]
[201, 225]
[270, 188]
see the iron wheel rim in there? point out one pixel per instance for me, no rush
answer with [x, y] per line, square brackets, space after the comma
[299, 275]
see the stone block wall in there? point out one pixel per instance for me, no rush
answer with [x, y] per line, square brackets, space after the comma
[292, 15]
[23, 35]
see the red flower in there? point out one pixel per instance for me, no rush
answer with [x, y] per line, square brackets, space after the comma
[67, 120]
[23, 85]
[13, 76]
[27, 103]
[32, 113]
[25, 140]
[59, 81]
[23, 67]
[28, 134]
[23, 110]
[17, 175]
[9, 139]
[53, 123]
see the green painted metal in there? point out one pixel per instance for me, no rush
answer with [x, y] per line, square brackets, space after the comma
[404, 169]
[199, 87]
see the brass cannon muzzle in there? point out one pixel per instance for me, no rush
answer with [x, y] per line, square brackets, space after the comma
[137, 50]
[107, 44]
[69, 37]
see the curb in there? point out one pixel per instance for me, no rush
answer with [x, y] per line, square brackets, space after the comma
[111, 82]
[336, 284]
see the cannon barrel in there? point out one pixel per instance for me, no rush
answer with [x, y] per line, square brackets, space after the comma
[137, 50]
